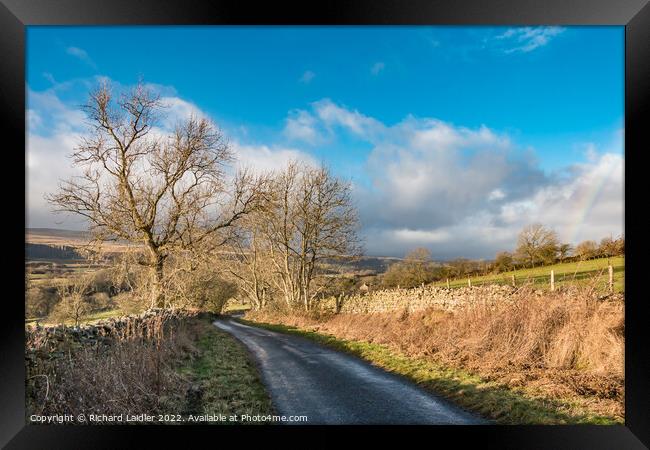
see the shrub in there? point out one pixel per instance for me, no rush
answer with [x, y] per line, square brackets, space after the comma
[101, 281]
[40, 301]
[131, 302]
[196, 284]
[587, 250]
[415, 269]
[101, 301]
[75, 301]
[71, 308]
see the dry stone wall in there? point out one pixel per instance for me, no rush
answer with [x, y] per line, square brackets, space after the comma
[55, 340]
[432, 297]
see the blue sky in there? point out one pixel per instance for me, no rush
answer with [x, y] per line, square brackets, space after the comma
[523, 116]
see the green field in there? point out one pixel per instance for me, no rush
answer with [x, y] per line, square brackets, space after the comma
[234, 307]
[584, 272]
[86, 320]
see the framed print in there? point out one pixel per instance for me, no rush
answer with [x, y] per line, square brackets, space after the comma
[375, 218]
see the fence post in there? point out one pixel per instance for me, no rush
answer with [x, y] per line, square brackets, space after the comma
[513, 281]
[552, 280]
[611, 279]
[469, 282]
[447, 283]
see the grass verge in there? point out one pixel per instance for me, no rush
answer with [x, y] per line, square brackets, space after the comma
[224, 379]
[504, 405]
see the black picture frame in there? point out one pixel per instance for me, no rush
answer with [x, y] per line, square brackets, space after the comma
[633, 14]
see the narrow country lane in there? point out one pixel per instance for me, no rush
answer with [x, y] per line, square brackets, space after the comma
[330, 387]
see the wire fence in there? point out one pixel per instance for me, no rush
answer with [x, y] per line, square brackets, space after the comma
[608, 278]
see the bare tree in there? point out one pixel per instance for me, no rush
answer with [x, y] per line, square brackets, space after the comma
[587, 250]
[459, 267]
[416, 268]
[164, 191]
[195, 280]
[620, 245]
[564, 250]
[74, 303]
[308, 217]
[537, 244]
[503, 262]
[419, 254]
[420, 264]
[608, 248]
[252, 268]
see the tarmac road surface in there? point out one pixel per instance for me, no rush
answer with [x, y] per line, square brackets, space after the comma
[330, 387]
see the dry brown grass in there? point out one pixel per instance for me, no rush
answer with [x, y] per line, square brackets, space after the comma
[166, 363]
[566, 345]
[136, 373]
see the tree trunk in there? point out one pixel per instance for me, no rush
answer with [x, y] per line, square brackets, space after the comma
[157, 291]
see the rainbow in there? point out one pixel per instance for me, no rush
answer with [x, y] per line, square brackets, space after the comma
[587, 200]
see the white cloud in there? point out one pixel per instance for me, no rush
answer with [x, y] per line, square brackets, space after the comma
[302, 126]
[587, 205]
[415, 237]
[47, 163]
[333, 115]
[176, 110]
[527, 39]
[82, 55]
[428, 173]
[261, 158]
[590, 151]
[496, 194]
[469, 191]
[34, 119]
[49, 77]
[320, 124]
[53, 131]
[307, 76]
[377, 67]
[46, 108]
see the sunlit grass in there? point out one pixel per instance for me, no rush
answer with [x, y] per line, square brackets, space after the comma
[235, 307]
[224, 377]
[565, 273]
[89, 319]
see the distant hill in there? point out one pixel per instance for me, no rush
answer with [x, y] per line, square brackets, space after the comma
[43, 251]
[376, 264]
[71, 238]
[59, 240]
[52, 234]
